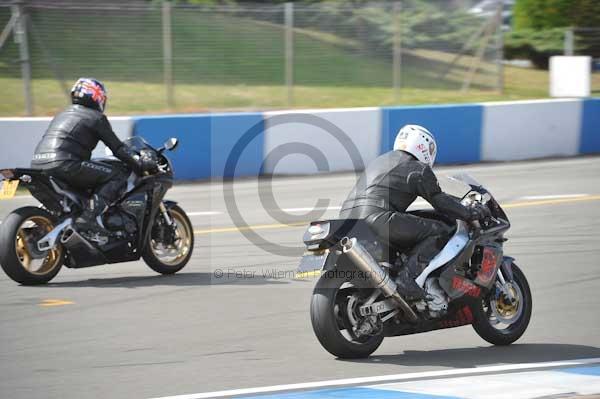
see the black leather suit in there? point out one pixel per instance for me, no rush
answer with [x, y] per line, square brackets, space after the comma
[383, 193]
[66, 148]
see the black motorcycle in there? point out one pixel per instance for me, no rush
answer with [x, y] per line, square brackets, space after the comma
[35, 242]
[356, 302]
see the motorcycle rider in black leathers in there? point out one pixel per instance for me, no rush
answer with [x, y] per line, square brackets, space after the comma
[66, 148]
[385, 190]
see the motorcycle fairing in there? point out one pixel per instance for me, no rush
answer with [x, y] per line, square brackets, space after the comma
[454, 247]
[460, 313]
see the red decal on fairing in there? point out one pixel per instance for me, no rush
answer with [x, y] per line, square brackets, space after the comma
[488, 266]
[466, 287]
[463, 317]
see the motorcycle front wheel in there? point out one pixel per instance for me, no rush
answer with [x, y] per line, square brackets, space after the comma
[20, 257]
[334, 312]
[169, 249]
[500, 321]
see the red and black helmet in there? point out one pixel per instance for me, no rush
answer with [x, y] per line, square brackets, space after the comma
[90, 93]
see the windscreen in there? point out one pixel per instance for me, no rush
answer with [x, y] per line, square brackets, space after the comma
[458, 185]
[137, 143]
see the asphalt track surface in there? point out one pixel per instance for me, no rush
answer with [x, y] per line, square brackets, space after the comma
[235, 317]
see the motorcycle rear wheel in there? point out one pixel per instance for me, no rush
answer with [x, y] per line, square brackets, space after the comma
[328, 321]
[19, 257]
[501, 323]
[171, 258]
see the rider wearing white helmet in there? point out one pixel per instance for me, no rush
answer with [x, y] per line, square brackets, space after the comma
[389, 185]
[417, 141]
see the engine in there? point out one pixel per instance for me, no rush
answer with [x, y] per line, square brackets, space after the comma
[118, 220]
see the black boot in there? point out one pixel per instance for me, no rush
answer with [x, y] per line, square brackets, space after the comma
[408, 287]
[91, 217]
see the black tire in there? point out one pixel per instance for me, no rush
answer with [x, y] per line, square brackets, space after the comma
[326, 327]
[515, 330]
[11, 261]
[154, 261]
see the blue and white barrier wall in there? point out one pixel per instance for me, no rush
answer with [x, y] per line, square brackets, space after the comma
[311, 141]
[19, 136]
[208, 142]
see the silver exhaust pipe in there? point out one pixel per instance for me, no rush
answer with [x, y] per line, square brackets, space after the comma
[363, 260]
[71, 238]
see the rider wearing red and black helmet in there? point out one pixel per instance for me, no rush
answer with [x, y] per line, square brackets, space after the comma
[66, 148]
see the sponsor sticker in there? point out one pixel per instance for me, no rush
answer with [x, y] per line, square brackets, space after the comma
[488, 266]
[466, 287]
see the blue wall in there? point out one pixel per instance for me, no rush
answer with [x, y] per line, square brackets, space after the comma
[457, 129]
[206, 142]
[590, 127]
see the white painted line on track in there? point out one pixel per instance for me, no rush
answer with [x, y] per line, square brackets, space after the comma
[204, 213]
[387, 378]
[554, 196]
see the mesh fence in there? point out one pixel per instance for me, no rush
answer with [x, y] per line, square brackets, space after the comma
[251, 56]
[10, 71]
[586, 42]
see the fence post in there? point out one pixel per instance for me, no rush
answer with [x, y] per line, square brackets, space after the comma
[167, 38]
[397, 51]
[289, 51]
[500, 49]
[21, 38]
[569, 45]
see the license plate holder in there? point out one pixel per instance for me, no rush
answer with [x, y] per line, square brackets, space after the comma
[8, 189]
[311, 262]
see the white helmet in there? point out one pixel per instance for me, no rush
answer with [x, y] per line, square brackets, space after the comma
[418, 141]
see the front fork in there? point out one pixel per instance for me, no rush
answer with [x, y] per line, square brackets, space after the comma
[165, 213]
[505, 268]
[169, 220]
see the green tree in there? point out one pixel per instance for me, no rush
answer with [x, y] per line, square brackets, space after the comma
[540, 25]
[547, 14]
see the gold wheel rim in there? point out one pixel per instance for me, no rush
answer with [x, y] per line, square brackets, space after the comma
[508, 309]
[40, 263]
[177, 254]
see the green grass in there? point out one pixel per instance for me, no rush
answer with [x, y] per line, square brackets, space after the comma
[128, 98]
[224, 62]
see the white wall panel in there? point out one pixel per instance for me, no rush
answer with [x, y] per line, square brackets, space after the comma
[530, 129]
[19, 136]
[309, 132]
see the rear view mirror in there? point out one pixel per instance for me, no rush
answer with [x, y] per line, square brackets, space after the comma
[171, 144]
